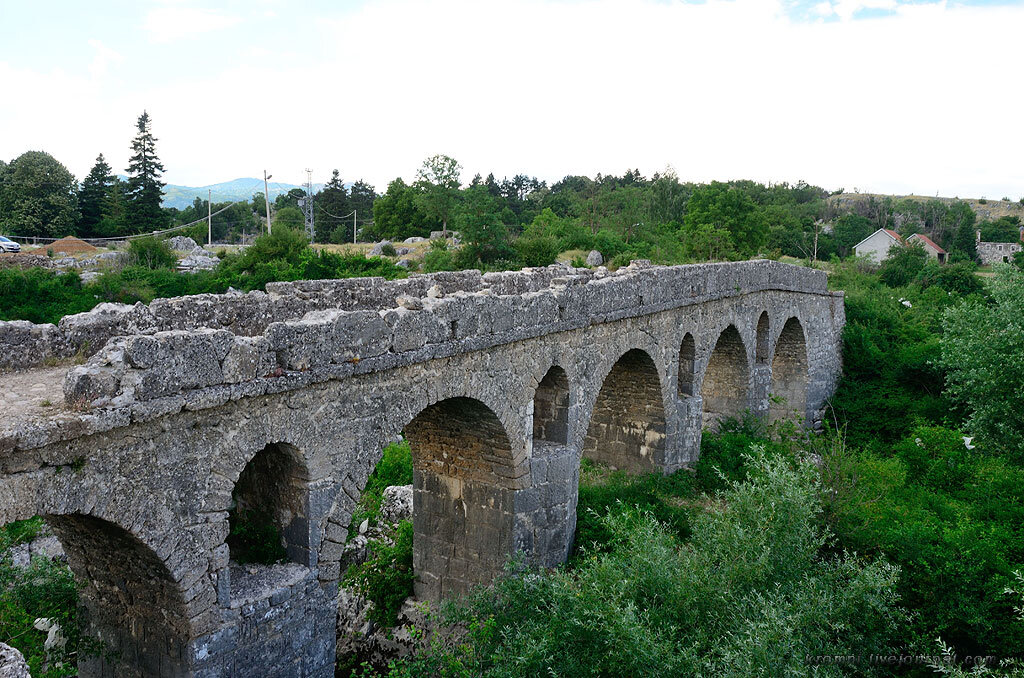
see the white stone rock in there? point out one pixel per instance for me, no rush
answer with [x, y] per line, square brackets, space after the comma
[594, 258]
[396, 504]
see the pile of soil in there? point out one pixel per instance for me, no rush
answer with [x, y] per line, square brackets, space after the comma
[71, 245]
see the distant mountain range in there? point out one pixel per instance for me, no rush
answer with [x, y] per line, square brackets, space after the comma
[228, 191]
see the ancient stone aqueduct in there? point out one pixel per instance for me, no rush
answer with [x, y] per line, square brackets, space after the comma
[285, 400]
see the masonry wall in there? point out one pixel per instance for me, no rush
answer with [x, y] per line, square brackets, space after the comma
[165, 423]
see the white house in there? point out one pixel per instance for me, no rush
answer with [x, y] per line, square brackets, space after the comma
[877, 245]
[933, 250]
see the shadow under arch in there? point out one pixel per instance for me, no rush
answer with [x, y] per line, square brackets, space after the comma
[790, 375]
[464, 482]
[131, 603]
[687, 366]
[726, 384]
[551, 409]
[627, 426]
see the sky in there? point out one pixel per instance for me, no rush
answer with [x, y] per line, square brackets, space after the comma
[872, 95]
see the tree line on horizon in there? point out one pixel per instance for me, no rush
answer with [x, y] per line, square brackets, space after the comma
[502, 222]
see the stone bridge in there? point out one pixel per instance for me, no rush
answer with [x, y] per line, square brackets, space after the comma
[284, 400]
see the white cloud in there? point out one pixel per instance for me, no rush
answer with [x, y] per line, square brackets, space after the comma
[174, 22]
[846, 9]
[103, 58]
[920, 101]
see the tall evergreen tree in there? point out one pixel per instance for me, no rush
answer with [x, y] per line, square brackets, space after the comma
[145, 189]
[94, 198]
[331, 206]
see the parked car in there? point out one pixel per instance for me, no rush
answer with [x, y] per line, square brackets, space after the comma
[8, 245]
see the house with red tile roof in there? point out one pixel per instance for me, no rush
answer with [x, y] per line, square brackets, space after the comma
[877, 245]
[933, 250]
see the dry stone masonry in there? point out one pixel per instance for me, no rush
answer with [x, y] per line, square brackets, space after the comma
[188, 410]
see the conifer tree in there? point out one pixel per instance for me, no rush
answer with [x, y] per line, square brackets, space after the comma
[145, 189]
[94, 198]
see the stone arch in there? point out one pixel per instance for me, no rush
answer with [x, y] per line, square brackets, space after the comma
[687, 366]
[627, 425]
[725, 388]
[464, 480]
[273, 488]
[130, 600]
[790, 374]
[551, 409]
[761, 351]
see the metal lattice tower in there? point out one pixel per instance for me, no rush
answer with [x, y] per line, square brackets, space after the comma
[307, 205]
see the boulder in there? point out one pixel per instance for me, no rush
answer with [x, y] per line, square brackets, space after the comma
[198, 260]
[414, 239]
[12, 663]
[181, 243]
[396, 504]
[378, 249]
[404, 263]
[402, 250]
[594, 258]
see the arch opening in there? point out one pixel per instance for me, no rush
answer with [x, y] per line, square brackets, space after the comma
[269, 516]
[128, 601]
[551, 409]
[725, 389]
[687, 366]
[627, 427]
[464, 481]
[789, 375]
[763, 331]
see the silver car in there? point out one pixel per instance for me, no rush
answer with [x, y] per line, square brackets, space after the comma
[8, 245]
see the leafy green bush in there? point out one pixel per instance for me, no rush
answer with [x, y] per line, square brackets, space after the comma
[41, 295]
[255, 538]
[903, 265]
[537, 250]
[951, 519]
[394, 468]
[388, 250]
[983, 351]
[752, 593]
[386, 577]
[152, 253]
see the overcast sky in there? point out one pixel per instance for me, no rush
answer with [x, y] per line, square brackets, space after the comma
[878, 95]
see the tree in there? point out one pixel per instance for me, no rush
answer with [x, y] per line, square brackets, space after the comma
[397, 214]
[849, 230]
[331, 209]
[706, 242]
[903, 265]
[484, 236]
[145, 189]
[983, 353]
[289, 217]
[726, 207]
[38, 197]
[94, 198]
[438, 181]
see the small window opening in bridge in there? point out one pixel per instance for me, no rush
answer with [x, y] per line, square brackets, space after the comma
[96, 582]
[687, 365]
[270, 508]
[762, 338]
[551, 409]
[627, 427]
[788, 398]
[726, 379]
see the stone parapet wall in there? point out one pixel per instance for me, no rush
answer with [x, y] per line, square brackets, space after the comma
[24, 344]
[338, 342]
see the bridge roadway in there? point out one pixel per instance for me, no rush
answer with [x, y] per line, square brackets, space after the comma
[192, 411]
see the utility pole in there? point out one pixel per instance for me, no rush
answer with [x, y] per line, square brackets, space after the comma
[266, 196]
[353, 227]
[307, 205]
[209, 217]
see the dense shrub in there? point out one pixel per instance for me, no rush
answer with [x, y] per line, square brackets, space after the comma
[386, 577]
[394, 468]
[151, 253]
[750, 594]
[41, 295]
[903, 265]
[953, 520]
